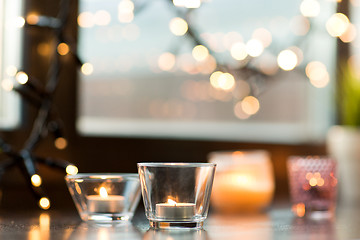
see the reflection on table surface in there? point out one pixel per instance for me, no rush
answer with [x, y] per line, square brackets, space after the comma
[275, 224]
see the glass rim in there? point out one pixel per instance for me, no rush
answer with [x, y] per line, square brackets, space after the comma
[102, 176]
[175, 164]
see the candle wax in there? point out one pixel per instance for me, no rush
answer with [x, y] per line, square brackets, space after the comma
[175, 211]
[108, 204]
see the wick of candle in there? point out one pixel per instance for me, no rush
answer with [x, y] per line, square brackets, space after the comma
[172, 202]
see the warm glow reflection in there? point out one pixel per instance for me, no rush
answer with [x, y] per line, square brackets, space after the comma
[44, 203]
[32, 18]
[299, 209]
[60, 143]
[103, 193]
[102, 18]
[63, 49]
[126, 11]
[87, 69]
[36, 180]
[250, 105]
[200, 52]
[287, 60]
[166, 61]
[21, 77]
[86, 20]
[238, 51]
[178, 26]
[310, 8]
[349, 35]
[7, 85]
[337, 24]
[263, 35]
[317, 74]
[71, 170]
[254, 47]
[187, 3]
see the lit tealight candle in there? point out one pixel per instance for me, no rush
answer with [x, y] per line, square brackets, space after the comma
[173, 210]
[105, 203]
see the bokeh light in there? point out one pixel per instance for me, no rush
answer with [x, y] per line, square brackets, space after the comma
[87, 68]
[32, 18]
[20, 22]
[223, 81]
[71, 170]
[254, 47]
[262, 35]
[63, 49]
[60, 143]
[11, 70]
[337, 24]
[36, 180]
[250, 105]
[239, 112]
[200, 52]
[166, 61]
[7, 84]
[21, 77]
[300, 25]
[349, 35]
[287, 60]
[187, 3]
[178, 26]
[317, 73]
[102, 18]
[126, 11]
[86, 20]
[44, 203]
[310, 8]
[238, 51]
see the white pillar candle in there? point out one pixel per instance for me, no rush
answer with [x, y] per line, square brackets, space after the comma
[175, 211]
[105, 203]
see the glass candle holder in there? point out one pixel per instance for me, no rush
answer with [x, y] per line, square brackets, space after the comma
[313, 185]
[244, 181]
[176, 195]
[105, 197]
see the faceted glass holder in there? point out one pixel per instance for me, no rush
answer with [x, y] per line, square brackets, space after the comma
[105, 197]
[176, 195]
[313, 185]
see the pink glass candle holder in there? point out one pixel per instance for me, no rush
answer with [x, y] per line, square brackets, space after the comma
[313, 185]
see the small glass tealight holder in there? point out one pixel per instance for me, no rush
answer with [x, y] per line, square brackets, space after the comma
[176, 195]
[105, 197]
[313, 185]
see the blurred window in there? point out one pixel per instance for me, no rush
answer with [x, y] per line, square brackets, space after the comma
[218, 69]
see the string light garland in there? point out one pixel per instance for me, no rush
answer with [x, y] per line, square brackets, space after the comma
[238, 63]
[47, 120]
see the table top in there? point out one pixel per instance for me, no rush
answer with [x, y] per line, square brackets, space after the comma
[277, 223]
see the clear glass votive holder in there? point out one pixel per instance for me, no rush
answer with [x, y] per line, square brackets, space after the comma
[105, 197]
[313, 185]
[176, 195]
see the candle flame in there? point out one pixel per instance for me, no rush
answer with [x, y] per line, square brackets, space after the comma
[103, 192]
[172, 202]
